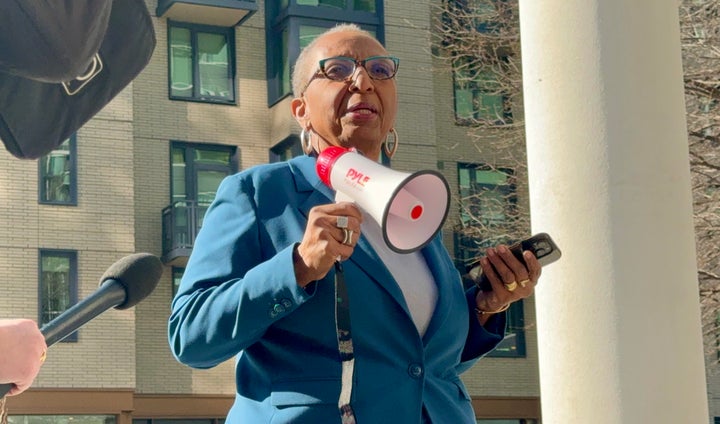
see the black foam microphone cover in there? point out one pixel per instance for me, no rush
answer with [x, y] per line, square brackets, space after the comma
[138, 273]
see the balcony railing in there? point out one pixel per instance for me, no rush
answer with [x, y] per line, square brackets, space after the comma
[225, 13]
[181, 222]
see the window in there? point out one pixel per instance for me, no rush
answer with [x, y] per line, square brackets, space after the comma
[485, 14]
[487, 218]
[513, 345]
[177, 274]
[57, 284]
[179, 421]
[362, 5]
[708, 118]
[479, 96]
[195, 174]
[201, 63]
[286, 149]
[488, 211]
[481, 38]
[198, 169]
[489, 17]
[293, 24]
[58, 175]
[61, 419]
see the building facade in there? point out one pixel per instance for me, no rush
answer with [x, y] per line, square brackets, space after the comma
[138, 177]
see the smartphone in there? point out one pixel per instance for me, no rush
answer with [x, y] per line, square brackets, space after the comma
[541, 244]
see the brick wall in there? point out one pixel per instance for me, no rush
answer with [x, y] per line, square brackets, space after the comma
[99, 228]
[123, 179]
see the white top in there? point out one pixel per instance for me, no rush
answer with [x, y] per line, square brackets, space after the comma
[411, 273]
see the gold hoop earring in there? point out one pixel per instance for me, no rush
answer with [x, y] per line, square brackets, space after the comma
[390, 147]
[306, 141]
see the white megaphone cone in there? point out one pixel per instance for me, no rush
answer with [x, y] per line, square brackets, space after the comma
[410, 208]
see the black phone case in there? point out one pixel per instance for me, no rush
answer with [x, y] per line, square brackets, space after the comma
[541, 244]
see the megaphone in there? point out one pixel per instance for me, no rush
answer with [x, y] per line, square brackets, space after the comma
[410, 208]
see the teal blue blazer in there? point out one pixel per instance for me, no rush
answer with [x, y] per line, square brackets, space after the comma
[238, 298]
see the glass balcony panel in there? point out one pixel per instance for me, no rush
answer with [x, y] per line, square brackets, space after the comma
[181, 222]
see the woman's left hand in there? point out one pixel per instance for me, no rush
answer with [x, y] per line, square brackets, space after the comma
[511, 280]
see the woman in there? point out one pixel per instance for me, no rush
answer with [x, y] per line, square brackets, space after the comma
[260, 282]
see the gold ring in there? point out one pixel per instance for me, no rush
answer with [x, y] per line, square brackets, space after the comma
[511, 286]
[43, 356]
[342, 222]
[524, 282]
[347, 236]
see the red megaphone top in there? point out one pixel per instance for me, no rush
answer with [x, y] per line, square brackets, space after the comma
[325, 161]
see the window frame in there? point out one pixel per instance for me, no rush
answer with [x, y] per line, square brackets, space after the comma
[72, 160]
[39, 417]
[184, 216]
[515, 326]
[229, 33]
[177, 272]
[290, 144]
[72, 256]
[294, 16]
[510, 187]
[197, 420]
[462, 7]
[190, 170]
[516, 314]
[478, 116]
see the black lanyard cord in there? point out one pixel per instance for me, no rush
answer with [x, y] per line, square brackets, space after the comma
[345, 345]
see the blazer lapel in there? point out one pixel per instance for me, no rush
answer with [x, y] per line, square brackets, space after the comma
[368, 261]
[444, 278]
[307, 181]
[435, 257]
[364, 256]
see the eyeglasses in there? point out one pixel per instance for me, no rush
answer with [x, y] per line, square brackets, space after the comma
[342, 68]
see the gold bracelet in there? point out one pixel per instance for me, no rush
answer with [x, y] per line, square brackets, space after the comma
[480, 312]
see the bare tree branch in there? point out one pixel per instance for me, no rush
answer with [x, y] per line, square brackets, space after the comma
[479, 40]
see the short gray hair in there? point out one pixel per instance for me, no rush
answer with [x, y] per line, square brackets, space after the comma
[303, 65]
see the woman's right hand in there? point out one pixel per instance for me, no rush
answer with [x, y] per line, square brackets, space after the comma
[322, 243]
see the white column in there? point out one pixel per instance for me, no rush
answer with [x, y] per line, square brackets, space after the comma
[618, 316]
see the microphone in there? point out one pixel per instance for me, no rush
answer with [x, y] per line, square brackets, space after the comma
[124, 285]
